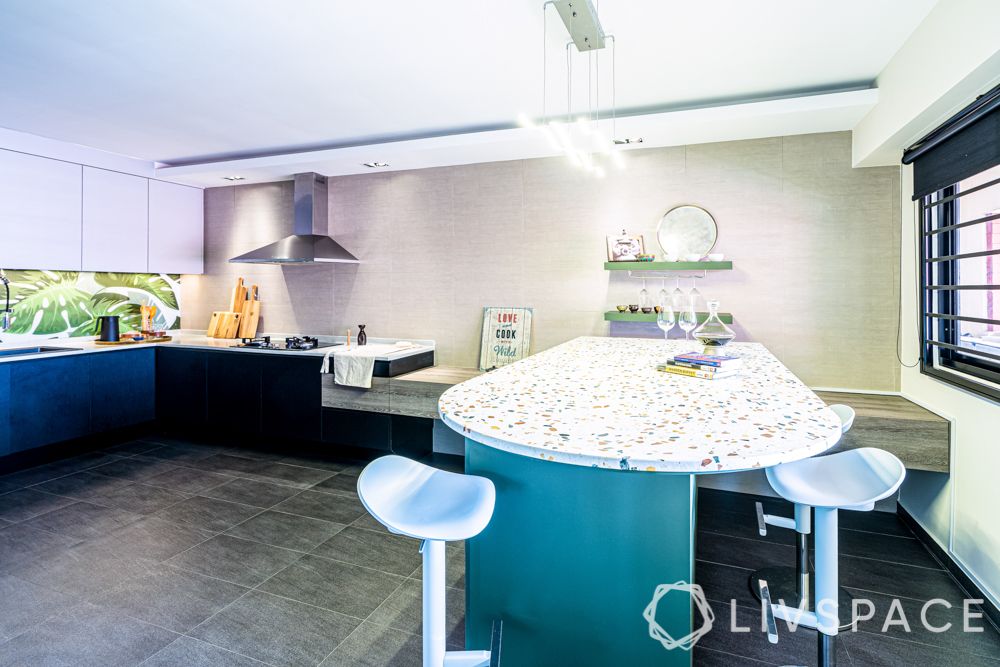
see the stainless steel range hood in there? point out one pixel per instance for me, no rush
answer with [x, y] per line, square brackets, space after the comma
[309, 243]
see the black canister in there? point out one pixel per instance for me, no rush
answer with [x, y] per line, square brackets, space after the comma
[107, 328]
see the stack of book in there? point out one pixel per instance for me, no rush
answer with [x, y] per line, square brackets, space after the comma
[705, 366]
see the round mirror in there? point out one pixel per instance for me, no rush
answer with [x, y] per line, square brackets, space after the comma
[687, 230]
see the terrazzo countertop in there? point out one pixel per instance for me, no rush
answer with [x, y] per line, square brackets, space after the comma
[601, 402]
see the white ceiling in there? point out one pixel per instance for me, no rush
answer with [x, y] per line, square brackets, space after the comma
[187, 80]
[829, 112]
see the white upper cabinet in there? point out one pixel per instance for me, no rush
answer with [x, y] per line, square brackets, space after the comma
[176, 228]
[63, 216]
[115, 221]
[40, 213]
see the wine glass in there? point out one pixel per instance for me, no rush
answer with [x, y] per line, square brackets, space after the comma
[664, 294]
[687, 319]
[694, 294]
[677, 296]
[644, 298]
[665, 319]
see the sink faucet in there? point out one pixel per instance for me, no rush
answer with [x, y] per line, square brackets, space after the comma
[5, 317]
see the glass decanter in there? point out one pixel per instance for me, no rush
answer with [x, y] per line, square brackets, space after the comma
[713, 332]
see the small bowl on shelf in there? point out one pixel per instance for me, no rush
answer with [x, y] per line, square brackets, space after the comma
[633, 308]
[645, 257]
[657, 309]
[647, 310]
[692, 257]
[621, 309]
[715, 256]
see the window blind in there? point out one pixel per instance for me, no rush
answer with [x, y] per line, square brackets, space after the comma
[965, 145]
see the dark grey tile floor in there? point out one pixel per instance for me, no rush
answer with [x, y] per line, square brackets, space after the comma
[880, 560]
[164, 551]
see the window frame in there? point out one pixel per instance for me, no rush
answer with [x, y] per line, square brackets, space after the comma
[948, 362]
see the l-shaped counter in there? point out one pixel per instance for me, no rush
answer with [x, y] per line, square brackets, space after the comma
[196, 339]
[192, 383]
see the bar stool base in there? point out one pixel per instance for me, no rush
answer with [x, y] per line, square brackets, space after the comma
[782, 583]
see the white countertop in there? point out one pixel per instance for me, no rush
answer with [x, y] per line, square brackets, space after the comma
[381, 347]
[601, 402]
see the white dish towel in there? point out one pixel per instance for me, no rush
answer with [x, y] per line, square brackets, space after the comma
[351, 368]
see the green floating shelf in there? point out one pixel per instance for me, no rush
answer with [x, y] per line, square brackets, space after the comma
[668, 266]
[615, 316]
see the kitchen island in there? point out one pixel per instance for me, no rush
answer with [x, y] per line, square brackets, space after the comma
[594, 455]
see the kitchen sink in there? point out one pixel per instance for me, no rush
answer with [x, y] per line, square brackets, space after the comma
[24, 351]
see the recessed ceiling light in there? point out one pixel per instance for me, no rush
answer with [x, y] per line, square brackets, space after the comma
[375, 165]
[233, 178]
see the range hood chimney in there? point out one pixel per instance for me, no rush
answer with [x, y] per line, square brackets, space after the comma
[309, 243]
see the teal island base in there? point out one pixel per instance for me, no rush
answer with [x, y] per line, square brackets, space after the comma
[572, 559]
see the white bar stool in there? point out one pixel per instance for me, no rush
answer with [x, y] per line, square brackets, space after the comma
[794, 584]
[416, 500]
[852, 480]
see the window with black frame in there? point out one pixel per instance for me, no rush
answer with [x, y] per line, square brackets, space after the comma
[957, 184]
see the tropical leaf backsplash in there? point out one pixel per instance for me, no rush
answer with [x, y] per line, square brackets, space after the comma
[62, 304]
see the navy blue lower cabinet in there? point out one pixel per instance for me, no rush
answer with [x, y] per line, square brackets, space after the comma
[4, 409]
[49, 400]
[412, 436]
[122, 388]
[233, 403]
[371, 430]
[408, 436]
[181, 387]
[291, 397]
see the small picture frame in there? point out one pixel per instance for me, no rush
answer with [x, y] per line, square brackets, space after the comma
[625, 247]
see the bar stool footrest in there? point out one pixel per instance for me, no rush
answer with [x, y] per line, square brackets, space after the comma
[782, 584]
[467, 659]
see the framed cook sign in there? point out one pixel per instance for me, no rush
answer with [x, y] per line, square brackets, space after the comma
[506, 336]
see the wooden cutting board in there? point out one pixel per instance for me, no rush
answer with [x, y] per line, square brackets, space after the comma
[251, 314]
[130, 341]
[213, 324]
[229, 326]
[229, 323]
[239, 296]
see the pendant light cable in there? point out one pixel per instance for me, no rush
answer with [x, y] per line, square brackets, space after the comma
[597, 77]
[590, 86]
[614, 103]
[545, 54]
[569, 84]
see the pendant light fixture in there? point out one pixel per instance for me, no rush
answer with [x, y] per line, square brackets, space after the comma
[581, 136]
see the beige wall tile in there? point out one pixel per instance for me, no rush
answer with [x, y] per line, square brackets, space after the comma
[814, 242]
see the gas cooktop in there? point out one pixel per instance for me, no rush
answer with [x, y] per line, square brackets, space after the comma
[290, 343]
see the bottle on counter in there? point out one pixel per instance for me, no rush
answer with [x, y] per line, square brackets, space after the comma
[713, 333]
[362, 336]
